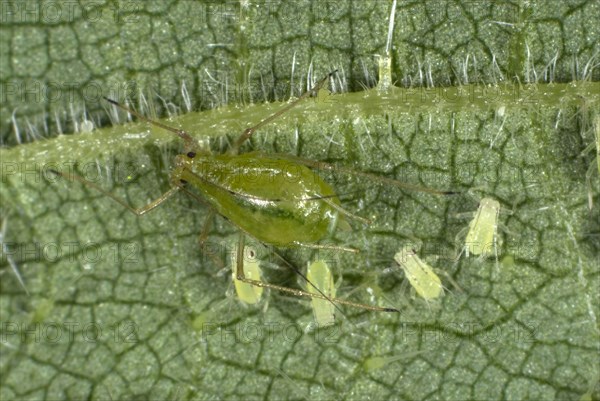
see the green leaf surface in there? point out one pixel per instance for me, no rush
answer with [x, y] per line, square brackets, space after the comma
[492, 99]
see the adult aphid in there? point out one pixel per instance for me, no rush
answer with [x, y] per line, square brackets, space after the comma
[254, 192]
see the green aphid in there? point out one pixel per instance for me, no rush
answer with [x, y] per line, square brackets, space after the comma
[320, 276]
[275, 198]
[420, 275]
[482, 236]
[247, 293]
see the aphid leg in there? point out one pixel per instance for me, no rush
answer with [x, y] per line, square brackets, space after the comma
[330, 247]
[207, 250]
[206, 228]
[378, 362]
[139, 211]
[299, 293]
[249, 131]
[463, 215]
[345, 212]
[459, 239]
[450, 279]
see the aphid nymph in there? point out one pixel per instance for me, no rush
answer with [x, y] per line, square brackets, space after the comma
[482, 235]
[320, 276]
[247, 293]
[420, 275]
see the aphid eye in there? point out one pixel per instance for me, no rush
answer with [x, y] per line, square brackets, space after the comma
[247, 293]
[191, 155]
[183, 181]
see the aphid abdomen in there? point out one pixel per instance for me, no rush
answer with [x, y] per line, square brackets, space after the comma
[274, 200]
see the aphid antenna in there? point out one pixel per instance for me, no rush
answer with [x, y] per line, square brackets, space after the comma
[288, 379]
[368, 287]
[139, 212]
[303, 276]
[187, 138]
[249, 131]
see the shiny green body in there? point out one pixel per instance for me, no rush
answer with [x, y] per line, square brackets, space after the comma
[275, 200]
